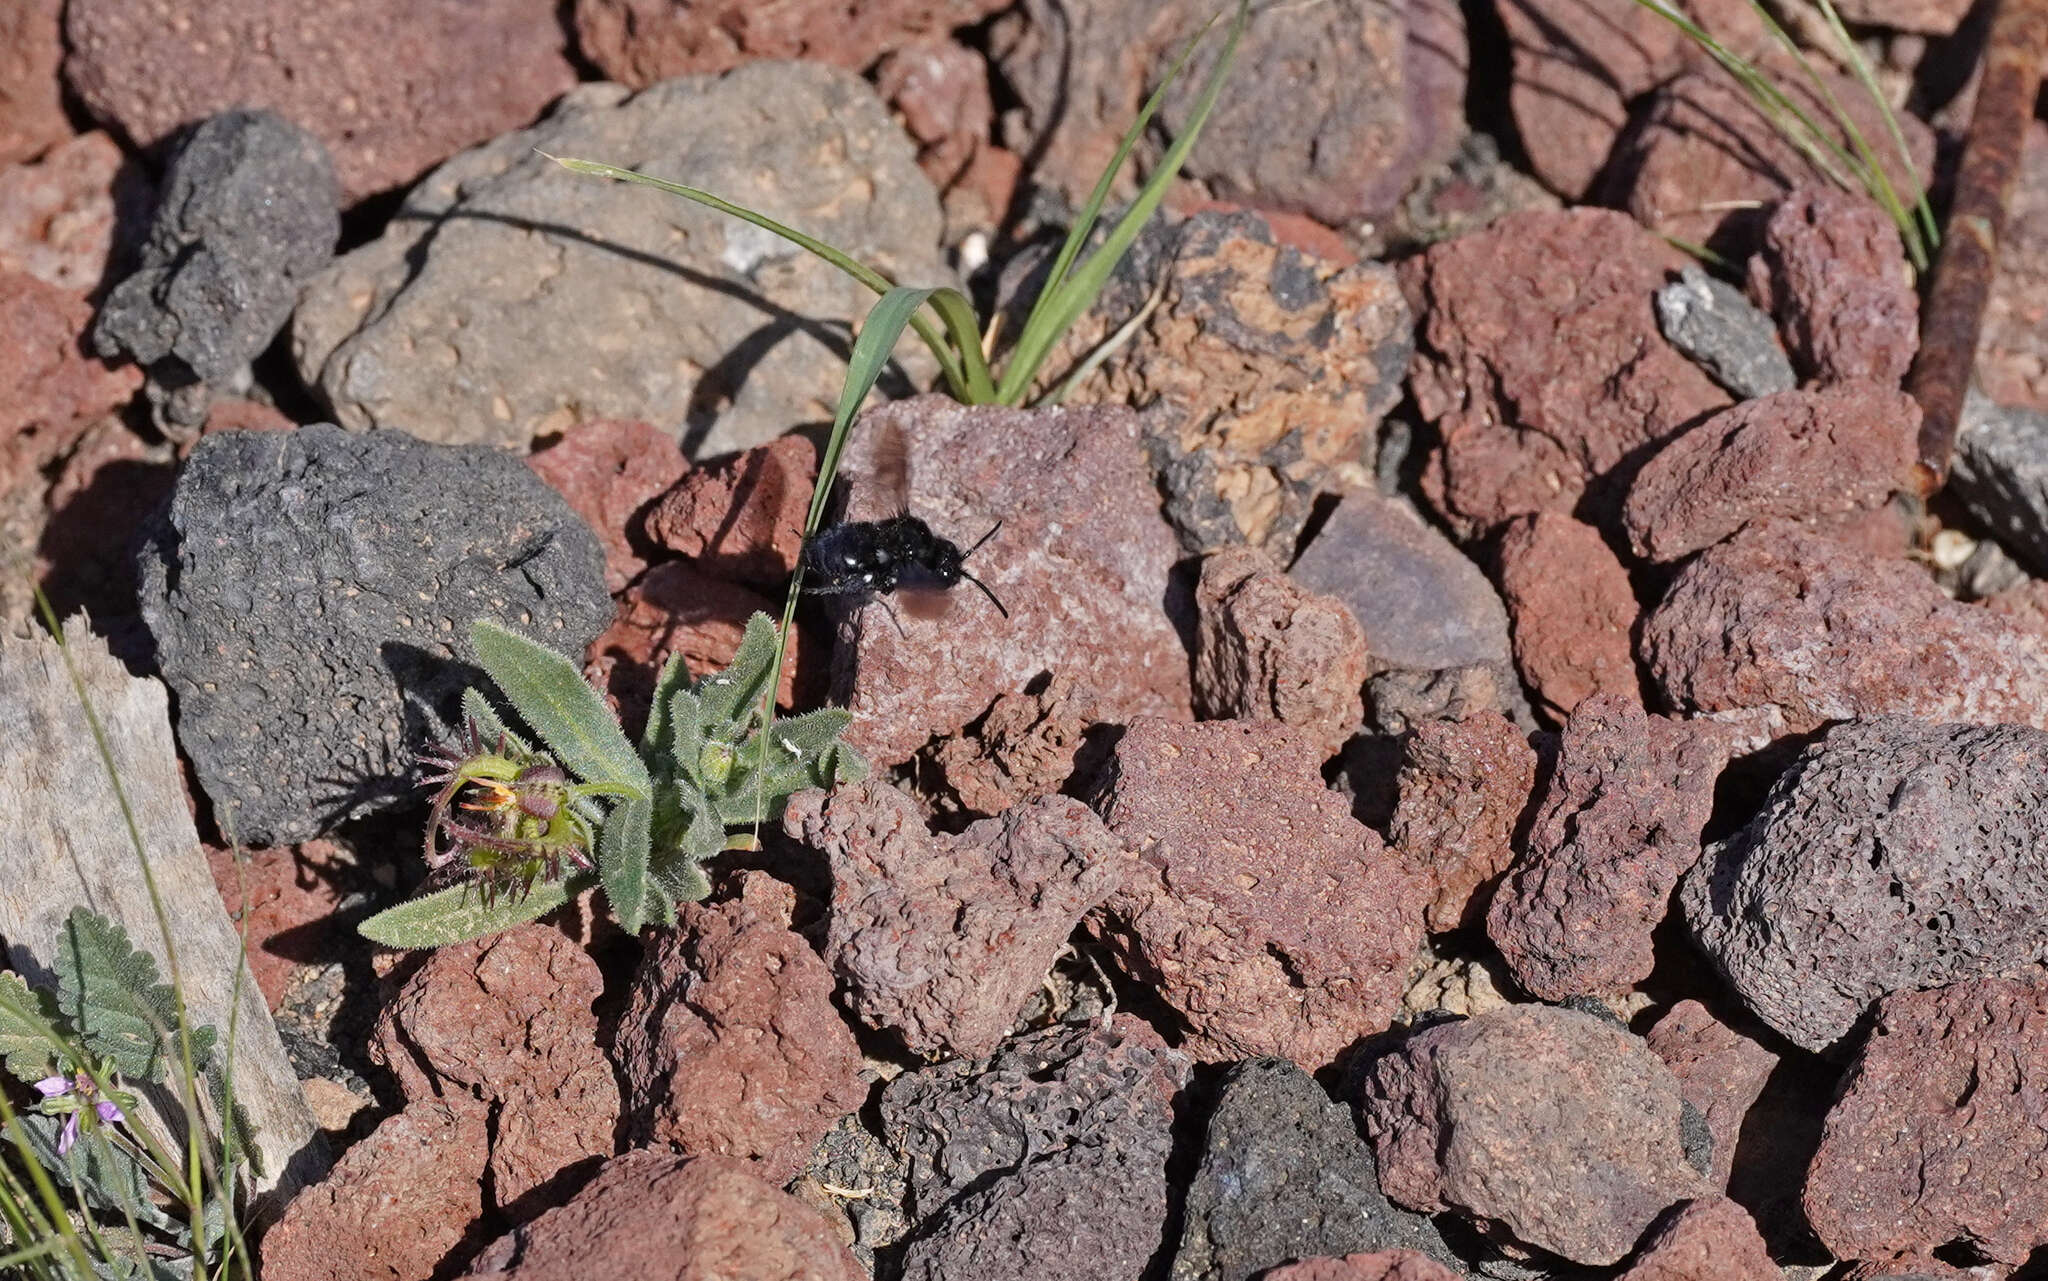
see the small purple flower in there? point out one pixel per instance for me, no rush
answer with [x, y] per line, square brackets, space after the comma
[52, 1087]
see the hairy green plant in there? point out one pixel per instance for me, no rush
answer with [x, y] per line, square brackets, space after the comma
[527, 824]
[1853, 168]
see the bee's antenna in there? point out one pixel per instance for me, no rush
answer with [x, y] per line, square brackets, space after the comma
[984, 586]
[977, 547]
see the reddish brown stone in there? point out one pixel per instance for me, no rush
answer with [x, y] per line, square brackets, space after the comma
[84, 550]
[1792, 629]
[1272, 920]
[729, 1044]
[939, 89]
[608, 470]
[284, 898]
[1806, 455]
[943, 938]
[50, 389]
[31, 98]
[742, 519]
[1940, 1135]
[1381, 1265]
[1572, 610]
[2012, 355]
[1620, 823]
[505, 1023]
[1541, 363]
[1267, 650]
[638, 42]
[1025, 748]
[65, 218]
[1833, 272]
[390, 86]
[395, 1206]
[651, 1215]
[1708, 1240]
[1557, 1126]
[1464, 787]
[1720, 1071]
[674, 609]
[1926, 17]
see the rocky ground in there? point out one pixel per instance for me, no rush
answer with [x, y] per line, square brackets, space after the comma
[1483, 775]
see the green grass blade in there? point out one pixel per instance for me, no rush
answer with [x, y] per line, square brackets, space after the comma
[1921, 234]
[1075, 294]
[955, 370]
[554, 700]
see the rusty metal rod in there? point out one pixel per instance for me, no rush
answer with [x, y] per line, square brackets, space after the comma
[1953, 318]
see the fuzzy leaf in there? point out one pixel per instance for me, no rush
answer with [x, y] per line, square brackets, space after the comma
[25, 1045]
[554, 700]
[686, 735]
[681, 879]
[623, 848]
[476, 706]
[727, 699]
[109, 993]
[459, 914]
[674, 679]
[106, 1175]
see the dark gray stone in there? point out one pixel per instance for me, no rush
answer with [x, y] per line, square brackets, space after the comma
[250, 211]
[310, 594]
[1725, 334]
[1285, 1175]
[2001, 476]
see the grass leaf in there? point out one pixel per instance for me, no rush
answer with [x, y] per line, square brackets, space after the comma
[554, 700]
[459, 914]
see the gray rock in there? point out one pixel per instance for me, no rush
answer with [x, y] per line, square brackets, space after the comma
[2001, 476]
[509, 297]
[250, 212]
[1285, 1175]
[1894, 855]
[1724, 333]
[310, 595]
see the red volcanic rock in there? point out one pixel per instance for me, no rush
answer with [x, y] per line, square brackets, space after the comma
[1464, 787]
[1927, 17]
[674, 609]
[1266, 649]
[1024, 748]
[1833, 271]
[68, 217]
[1381, 1265]
[284, 898]
[741, 519]
[943, 938]
[1792, 629]
[650, 1215]
[505, 1025]
[31, 97]
[729, 1043]
[638, 42]
[1806, 455]
[1720, 1071]
[390, 86]
[1572, 611]
[396, 1205]
[1541, 363]
[2012, 358]
[1620, 823]
[608, 470]
[1272, 920]
[1708, 1240]
[939, 89]
[50, 389]
[1940, 1136]
[1555, 1125]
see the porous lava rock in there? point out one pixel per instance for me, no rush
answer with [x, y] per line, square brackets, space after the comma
[1720, 1072]
[1272, 921]
[1712, 321]
[939, 89]
[400, 1205]
[32, 116]
[71, 495]
[1380, 1265]
[1558, 1126]
[609, 470]
[1833, 271]
[1572, 611]
[1789, 629]
[675, 609]
[651, 1214]
[1267, 650]
[741, 518]
[51, 390]
[2012, 355]
[249, 213]
[1264, 372]
[1895, 854]
[729, 1044]
[1712, 1239]
[1081, 562]
[1804, 455]
[1540, 362]
[1380, 86]
[638, 42]
[1047, 1159]
[1286, 1175]
[1464, 789]
[1028, 746]
[310, 595]
[1925, 17]
[504, 1026]
[71, 218]
[652, 308]
[942, 938]
[390, 86]
[1939, 1139]
[287, 900]
[2000, 476]
[1619, 824]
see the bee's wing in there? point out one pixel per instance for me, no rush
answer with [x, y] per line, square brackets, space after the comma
[890, 472]
[928, 603]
